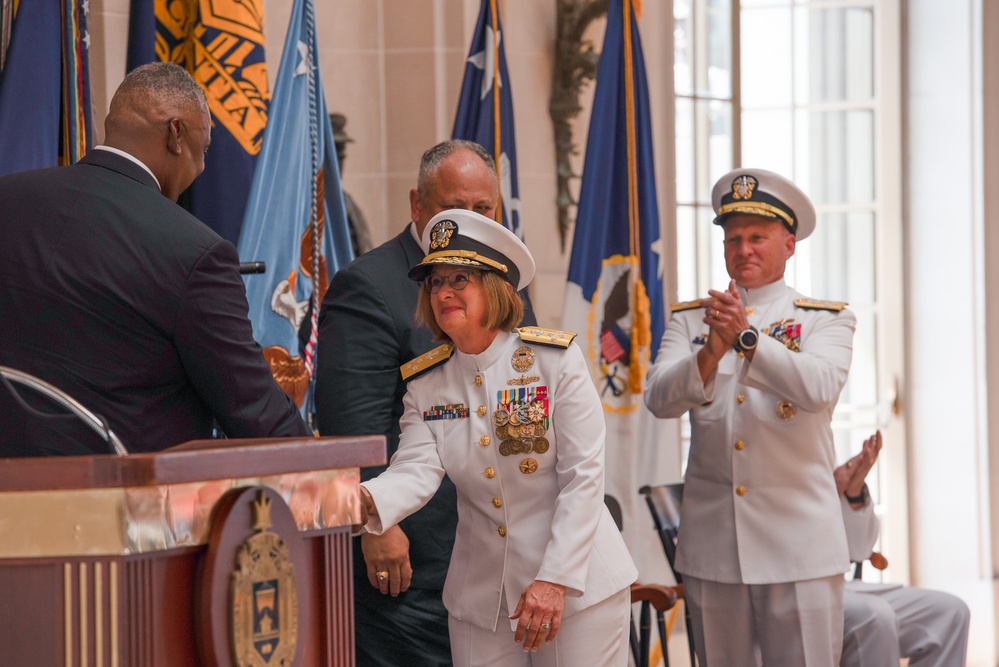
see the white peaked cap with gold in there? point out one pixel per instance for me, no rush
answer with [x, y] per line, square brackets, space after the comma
[765, 194]
[466, 238]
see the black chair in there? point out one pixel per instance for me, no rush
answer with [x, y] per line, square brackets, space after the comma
[70, 408]
[878, 562]
[651, 596]
[664, 504]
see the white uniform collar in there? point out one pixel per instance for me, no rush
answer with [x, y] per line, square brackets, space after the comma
[765, 294]
[489, 356]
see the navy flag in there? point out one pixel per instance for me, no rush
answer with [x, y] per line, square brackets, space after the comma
[221, 43]
[485, 110]
[45, 117]
[614, 294]
[295, 220]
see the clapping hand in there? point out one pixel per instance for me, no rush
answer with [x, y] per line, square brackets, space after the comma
[850, 476]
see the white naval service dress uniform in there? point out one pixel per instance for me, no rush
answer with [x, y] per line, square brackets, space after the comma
[523, 516]
[884, 623]
[761, 546]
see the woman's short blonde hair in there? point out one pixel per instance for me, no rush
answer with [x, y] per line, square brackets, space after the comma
[504, 307]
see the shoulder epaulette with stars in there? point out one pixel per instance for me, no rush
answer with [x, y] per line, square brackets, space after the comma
[542, 336]
[686, 305]
[815, 304]
[426, 361]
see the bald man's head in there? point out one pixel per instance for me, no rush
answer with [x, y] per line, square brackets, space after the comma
[159, 114]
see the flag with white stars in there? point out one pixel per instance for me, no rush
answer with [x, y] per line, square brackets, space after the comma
[485, 110]
[45, 117]
[614, 298]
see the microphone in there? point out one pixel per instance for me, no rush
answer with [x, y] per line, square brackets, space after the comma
[252, 267]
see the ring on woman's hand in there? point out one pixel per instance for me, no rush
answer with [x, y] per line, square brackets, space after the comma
[381, 576]
[546, 626]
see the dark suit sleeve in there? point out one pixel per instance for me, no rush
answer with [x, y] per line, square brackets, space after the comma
[215, 342]
[529, 318]
[357, 376]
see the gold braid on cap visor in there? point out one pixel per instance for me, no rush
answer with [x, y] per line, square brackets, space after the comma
[462, 257]
[759, 208]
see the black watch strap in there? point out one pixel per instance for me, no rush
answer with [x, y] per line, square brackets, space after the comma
[739, 347]
[858, 500]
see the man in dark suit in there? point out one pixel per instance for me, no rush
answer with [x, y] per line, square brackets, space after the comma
[366, 332]
[121, 298]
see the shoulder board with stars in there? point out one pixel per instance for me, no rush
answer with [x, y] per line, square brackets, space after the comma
[686, 305]
[542, 336]
[815, 304]
[426, 361]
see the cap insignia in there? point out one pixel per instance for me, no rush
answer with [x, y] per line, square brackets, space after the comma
[441, 234]
[743, 186]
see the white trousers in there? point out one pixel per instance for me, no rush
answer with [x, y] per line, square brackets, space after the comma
[596, 637]
[884, 623]
[793, 624]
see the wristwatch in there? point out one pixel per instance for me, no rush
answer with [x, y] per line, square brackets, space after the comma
[747, 339]
[858, 500]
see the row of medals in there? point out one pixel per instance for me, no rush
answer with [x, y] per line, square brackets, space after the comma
[522, 431]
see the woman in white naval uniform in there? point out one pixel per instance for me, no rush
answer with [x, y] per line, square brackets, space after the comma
[539, 574]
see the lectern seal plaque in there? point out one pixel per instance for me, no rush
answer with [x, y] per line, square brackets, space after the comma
[264, 603]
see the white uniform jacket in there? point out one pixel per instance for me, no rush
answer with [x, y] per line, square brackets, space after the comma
[759, 503]
[521, 517]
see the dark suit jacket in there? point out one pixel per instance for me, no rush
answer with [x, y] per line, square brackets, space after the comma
[366, 331]
[116, 295]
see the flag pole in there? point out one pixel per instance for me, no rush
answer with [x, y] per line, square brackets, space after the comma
[497, 145]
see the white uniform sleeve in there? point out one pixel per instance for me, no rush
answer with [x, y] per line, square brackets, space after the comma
[414, 473]
[673, 384]
[862, 527]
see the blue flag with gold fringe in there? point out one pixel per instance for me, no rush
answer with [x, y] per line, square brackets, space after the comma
[295, 219]
[614, 294]
[45, 116]
[485, 110]
[222, 45]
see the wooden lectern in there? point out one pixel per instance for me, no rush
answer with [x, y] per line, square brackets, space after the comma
[223, 552]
